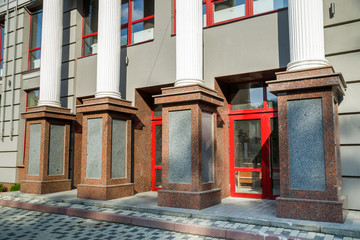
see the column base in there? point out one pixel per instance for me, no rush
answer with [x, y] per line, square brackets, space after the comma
[314, 210]
[189, 200]
[99, 192]
[43, 187]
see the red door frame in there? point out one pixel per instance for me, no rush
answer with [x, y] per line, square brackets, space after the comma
[264, 115]
[155, 122]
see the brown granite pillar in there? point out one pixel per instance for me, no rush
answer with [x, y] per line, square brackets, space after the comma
[106, 149]
[47, 150]
[310, 165]
[188, 149]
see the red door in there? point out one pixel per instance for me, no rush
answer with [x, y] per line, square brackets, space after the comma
[156, 155]
[254, 172]
[253, 132]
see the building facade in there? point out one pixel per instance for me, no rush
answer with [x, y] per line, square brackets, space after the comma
[102, 113]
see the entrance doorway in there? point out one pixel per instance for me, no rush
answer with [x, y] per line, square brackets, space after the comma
[254, 144]
[156, 146]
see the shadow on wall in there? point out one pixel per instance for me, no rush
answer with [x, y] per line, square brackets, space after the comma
[283, 38]
[123, 70]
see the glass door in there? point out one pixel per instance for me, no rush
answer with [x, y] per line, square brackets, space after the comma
[254, 160]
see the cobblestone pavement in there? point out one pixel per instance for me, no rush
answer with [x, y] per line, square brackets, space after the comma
[23, 224]
[172, 218]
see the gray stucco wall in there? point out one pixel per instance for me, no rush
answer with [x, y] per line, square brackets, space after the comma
[342, 48]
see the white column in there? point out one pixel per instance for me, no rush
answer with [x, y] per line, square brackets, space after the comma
[109, 46]
[306, 28]
[189, 43]
[51, 53]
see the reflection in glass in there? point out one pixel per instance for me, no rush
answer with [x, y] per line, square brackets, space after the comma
[142, 9]
[32, 98]
[35, 32]
[247, 143]
[143, 31]
[90, 45]
[90, 17]
[228, 9]
[274, 155]
[157, 110]
[204, 15]
[34, 59]
[124, 11]
[124, 36]
[248, 182]
[158, 178]
[272, 101]
[247, 96]
[261, 6]
[158, 145]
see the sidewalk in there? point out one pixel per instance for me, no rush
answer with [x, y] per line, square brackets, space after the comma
[248, 215]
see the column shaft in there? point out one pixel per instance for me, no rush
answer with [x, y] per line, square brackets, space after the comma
[306, 28]
[109, 47]
[51, 53]
[189, 43]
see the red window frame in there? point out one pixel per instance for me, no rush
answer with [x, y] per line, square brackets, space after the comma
[2, 43]
[210, 12]
[128, 25]
[264, 114]
[32, 49]
[155, 122]
[26, 109]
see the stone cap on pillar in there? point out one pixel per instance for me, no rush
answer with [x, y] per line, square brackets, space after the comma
[197, 93]
[40, 112]
[106, 104]
[324, 77]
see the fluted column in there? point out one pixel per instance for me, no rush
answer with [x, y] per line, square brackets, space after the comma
[109, 45]
[189, 43]
[306, 28]
[51, 53]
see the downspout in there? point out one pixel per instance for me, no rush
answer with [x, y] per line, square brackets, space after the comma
[6, 41]
[13, 72]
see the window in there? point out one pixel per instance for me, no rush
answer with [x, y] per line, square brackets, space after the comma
[2, 38]
[137, 23]
[35, 40]
[220, 11]
[90, 27]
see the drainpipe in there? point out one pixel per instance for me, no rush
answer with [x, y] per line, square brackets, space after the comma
[13, 72]
[6, 41]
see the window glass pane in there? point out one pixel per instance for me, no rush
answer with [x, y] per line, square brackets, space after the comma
[274, 155]
[142, 8]
[247, 96]
[35, 34]
[247, 143]
[158, 177]
[1, 67]
[204, 15]
[34, 59]
[90, 16]
[90, 45]
[261, 6]
[143, 31]
[32, 98]
[124, 11]
[158, 145]
[2, 40]
[157, 110]
[228, 9]
[248, 182]
[271, 99]
[124, 36]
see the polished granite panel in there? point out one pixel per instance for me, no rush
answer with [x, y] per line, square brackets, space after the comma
[94, 148]
[207, 147]
[180, 146]
[118, 147]
[306, 144]
[34, 149]
[56, 150]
